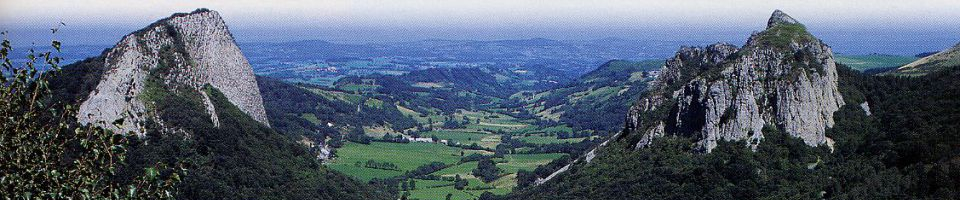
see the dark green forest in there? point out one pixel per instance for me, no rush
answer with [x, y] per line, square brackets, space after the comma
[593, 114]
[288, 102]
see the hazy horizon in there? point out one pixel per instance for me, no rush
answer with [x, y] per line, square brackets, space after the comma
[889, 27]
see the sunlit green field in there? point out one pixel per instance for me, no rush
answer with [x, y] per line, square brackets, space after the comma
[516, 162]
[461, 136]
[406, 156]
[441, 193]
[462, 169]
[358, 87]
[363, 173]
[536, 130]
[865, 62]
[549, 139]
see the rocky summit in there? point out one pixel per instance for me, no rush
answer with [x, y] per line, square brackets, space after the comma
[783, 77]
[779, 17]
[187, 50]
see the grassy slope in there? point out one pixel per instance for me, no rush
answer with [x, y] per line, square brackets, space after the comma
[867, 62]
[936, 62]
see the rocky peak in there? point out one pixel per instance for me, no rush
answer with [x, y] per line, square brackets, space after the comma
[186, 50]
[779, 17]
[783, 78]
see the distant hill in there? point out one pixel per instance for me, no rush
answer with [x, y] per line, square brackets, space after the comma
[315, 114]
[601, 94]
[936, 62]
[449, 89]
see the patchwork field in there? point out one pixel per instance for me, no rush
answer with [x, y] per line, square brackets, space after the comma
[480, 128]
[405, 156]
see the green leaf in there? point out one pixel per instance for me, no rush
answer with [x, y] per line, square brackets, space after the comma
[56, 45]
[132, 191]
[151, 173]
[176, 177]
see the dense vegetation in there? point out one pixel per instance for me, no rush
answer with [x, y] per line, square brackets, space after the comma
[240, 158]
[46, 154]
[587, 103]
[906, 148]
[288, 104]
[487, 170]
[449, 89]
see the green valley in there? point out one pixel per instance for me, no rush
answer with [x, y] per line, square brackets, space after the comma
[422, 134]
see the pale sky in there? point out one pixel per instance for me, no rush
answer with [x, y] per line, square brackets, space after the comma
[104, 21]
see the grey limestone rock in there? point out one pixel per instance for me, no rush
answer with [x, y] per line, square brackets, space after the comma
[205, 54]
[724, 93]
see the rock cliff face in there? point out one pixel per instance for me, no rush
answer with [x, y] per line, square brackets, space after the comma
[186, 50]
[782, 77]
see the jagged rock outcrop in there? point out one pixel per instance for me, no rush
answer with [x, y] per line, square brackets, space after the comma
[779, 17]
[190, 50]
[782, 77]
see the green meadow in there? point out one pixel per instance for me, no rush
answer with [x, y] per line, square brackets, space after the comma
[405, 156]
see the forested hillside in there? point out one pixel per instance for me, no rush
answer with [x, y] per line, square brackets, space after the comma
[239, 158]
[898, 149]
[587, 103]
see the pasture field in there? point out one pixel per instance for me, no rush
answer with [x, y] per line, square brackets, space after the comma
[463, 169]
[865, 62]
[529, 162]
[538, 130]
[358, 87]
[362, 173]
[465, 137]
[406, 157]
[535, 139]
[441, 193]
